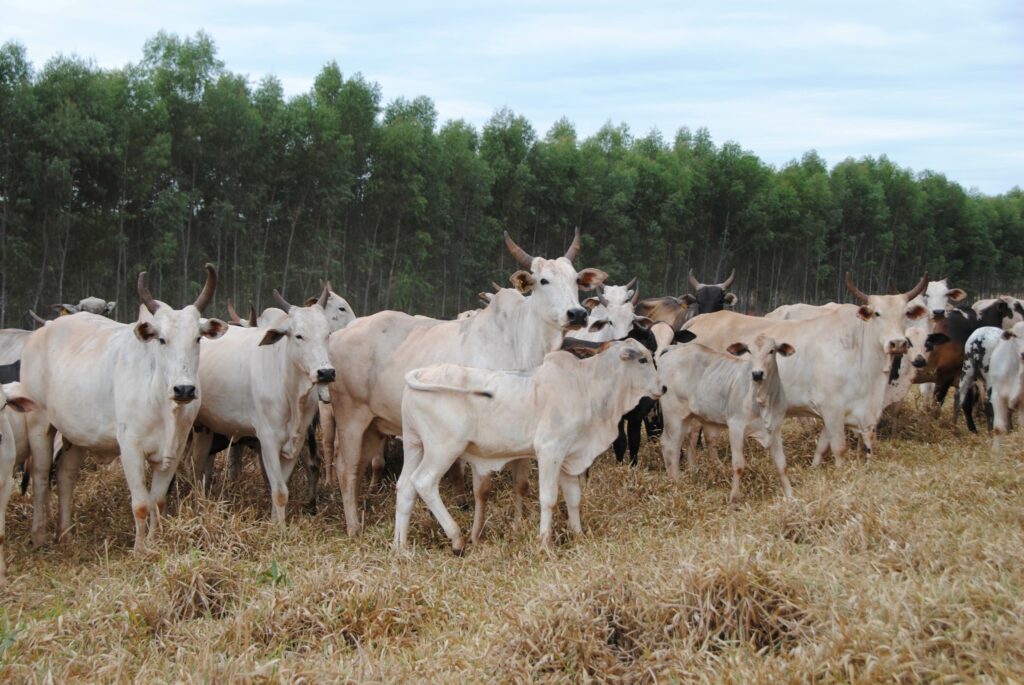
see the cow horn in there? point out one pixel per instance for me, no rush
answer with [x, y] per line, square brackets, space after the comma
[38, 319]
[524, 259]
[496, 287]
[324, 295]
[727, 282]
[635, 300]
[694, 283]
[600, 294]
[574, 248]
[206, 296]
[232, 314]
[854, 289]
[146, 296]
[326, 283]
[917, 289]
[280, 300]
[631, 284]
[252, 316]
[893, 290]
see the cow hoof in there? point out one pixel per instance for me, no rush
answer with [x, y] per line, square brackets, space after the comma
[459, 549]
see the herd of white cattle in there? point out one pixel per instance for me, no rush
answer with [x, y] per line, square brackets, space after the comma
[534, 375]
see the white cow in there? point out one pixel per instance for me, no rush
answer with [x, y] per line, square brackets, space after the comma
[12, 341]
[996, 358]
[92, 305]
[711, 389]
[1014, 309]
[12, 404]
[841, 372]
[265, 383]
[563, 414]
[115, 389]
[374, 353]
[612, 315]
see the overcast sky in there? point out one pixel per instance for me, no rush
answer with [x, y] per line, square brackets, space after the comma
[934, 85]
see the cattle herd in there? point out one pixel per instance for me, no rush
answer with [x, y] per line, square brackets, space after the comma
[533, 375]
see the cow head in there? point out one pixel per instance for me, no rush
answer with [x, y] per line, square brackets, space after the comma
[612, 312]
[93, 305]
[337, 309]
[554, 284]
[1015, 337]
[938, 296]
[640, 373]
[175, 335]
[763, 353]
[889, 314]
[919, 350]
[709, 298]
[305, 331]
[235, 320]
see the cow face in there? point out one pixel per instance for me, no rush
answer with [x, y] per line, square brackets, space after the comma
[175, 335]
[304, 331]
[764, 352]
[93, 305]
[889, 315]
[709, 298]
[1015, 337]
[938, 297]
[641, 374]
[337, 309]
[612, 314]
[554, 286]
[918, 352]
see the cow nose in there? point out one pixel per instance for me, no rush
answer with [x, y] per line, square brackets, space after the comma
[577, 316]
[325, 376]
[898, 346]
[184, 393]
[919, 362]
[938, 313]
[758, 376]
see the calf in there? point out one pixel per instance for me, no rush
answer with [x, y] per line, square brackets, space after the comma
[562, 414]
[1002, 375]
[11, 401]
[712, 389]
[976, 365]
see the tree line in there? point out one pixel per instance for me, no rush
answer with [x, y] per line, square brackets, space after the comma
[173, 161]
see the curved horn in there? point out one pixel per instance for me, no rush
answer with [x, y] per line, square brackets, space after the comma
[524, 259]
[917, 289]
[854, 289]
[232, 314]
[600, 294]
[281, 301]
[694, 283]
[635, 300]
[495, 286]
[146, 296]
[727, 282]
[38, 319]
[632, 284]
[574, 248]
[252, 316]
[206, 296]
[324, 295]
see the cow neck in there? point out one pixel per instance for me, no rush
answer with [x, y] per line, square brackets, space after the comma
[296, 382]
[601, 381]
[769, 397]
[527, 334]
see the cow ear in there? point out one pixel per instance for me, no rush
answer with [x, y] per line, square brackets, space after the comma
[687, 299]
[916, 312]
[737, 348]
[213, 328]
[310, 301]
[935, 339]
[145, 331]
[111, 306]
[628, 355]
[684, 337]
[273, 335]
[522, 281]
[731, 299]
[956, 294]
[597, 325]
[785, 349]
[588, 279]
[591, 302]
[21, 404]
[865, 312]
[1009, 334]
[643, 321]
[65, 309]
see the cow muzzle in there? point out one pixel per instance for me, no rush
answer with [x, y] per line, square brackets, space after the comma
[325, 375]
[757, 376]
[919, 363]
[577, 317]
[899, 346]
[184, 394]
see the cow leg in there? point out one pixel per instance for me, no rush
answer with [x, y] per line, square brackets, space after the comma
[202, 460]
[406, 490]
[67, 475]
[349, 438]
[671, 444]
[376, 468]
[1001, 409]
[7, 458]
[821, 448]
[620, 441]
[548, 467]
[134, 465]
[572, 494]
[779, 457]
[633, 426]
[41, 444]
[236, 462]
[160, 481]
[482, 484]
[836, 429]
[327, 430]
[739, 463]
[271, 456]
[868, 437]
[427, 480]
[520, 469]
[967, 406]
[311, 459]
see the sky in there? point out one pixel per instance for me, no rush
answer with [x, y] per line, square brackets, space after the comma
[934, 85]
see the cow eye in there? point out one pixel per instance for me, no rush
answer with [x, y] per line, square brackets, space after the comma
[341, 309]
[162, 341]
[878, 313]
[299, 337]
[543, 281]
[643, 360]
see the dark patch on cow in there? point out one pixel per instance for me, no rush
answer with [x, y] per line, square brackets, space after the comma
[894, 369]
[9, 373]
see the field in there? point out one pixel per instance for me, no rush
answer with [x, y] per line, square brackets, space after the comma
[906, 568]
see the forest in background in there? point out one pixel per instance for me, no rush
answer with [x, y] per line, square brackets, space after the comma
[173, 161]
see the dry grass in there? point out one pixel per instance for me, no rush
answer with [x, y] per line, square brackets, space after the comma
[907, 568]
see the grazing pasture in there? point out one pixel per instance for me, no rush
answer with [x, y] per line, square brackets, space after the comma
[906, 568]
